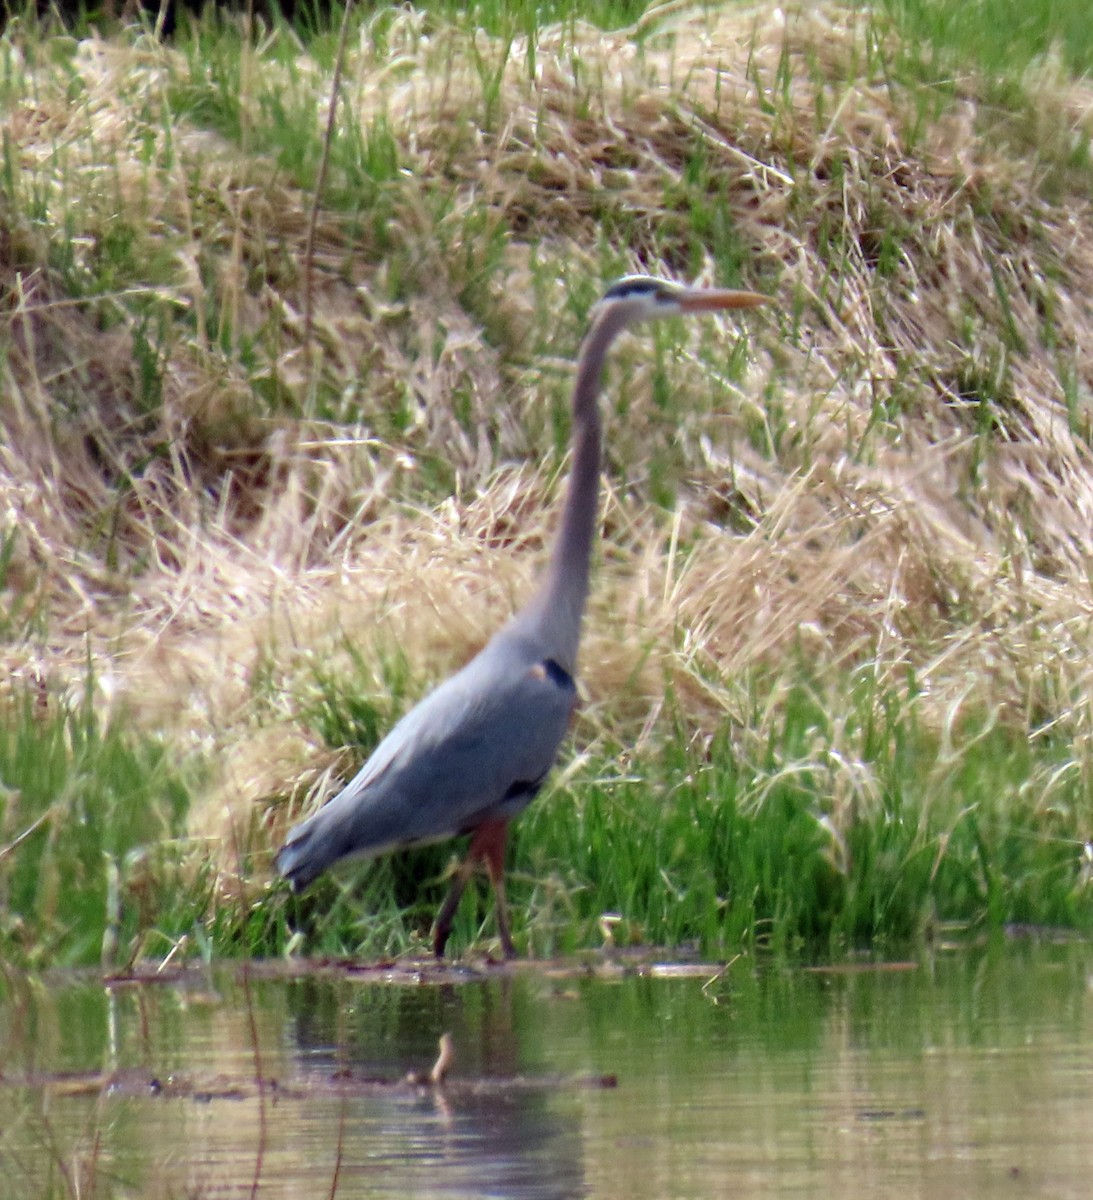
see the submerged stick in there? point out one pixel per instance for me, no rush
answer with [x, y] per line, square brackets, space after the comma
[445, 1059]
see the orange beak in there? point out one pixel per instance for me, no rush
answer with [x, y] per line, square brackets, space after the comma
[706, 299]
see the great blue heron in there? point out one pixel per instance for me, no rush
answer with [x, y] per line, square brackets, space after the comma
[472, 754]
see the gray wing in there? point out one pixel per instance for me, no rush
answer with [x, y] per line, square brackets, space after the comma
[478, 747]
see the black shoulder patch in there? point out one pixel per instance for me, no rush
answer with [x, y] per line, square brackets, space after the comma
[522, 787]
[558, 675]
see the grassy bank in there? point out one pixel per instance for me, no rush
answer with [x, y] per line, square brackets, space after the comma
[285, 422]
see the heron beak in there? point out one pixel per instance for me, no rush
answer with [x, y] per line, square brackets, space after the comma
[707, 299]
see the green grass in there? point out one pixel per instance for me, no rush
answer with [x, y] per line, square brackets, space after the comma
[715, 846]
[1000, 37]
[88, 815]
[700, 847]
[1015, 55]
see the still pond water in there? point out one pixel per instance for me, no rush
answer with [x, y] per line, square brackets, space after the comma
[967, 1075]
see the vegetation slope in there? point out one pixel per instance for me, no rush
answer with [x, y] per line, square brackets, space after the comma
[284, 421]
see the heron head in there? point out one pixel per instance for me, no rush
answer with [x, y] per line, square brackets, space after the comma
[638, 297]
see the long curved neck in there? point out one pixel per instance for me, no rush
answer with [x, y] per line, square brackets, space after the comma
[554, 612]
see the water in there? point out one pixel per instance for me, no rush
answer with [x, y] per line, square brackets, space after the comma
[967, 1076]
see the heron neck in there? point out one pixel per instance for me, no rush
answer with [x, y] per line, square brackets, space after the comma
[555, 611]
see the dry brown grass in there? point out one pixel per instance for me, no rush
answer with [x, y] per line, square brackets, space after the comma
[902, 480]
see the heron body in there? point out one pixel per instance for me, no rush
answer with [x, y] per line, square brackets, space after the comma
[472, 754]
[477, 748]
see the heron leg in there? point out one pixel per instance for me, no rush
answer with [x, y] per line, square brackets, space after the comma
[490, 839]
[487, 845]
[444, 918]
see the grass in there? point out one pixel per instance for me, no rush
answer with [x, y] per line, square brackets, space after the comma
[711, 847]
[272, 480]
[89, 818]
[720, 846]
[1000, 37]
